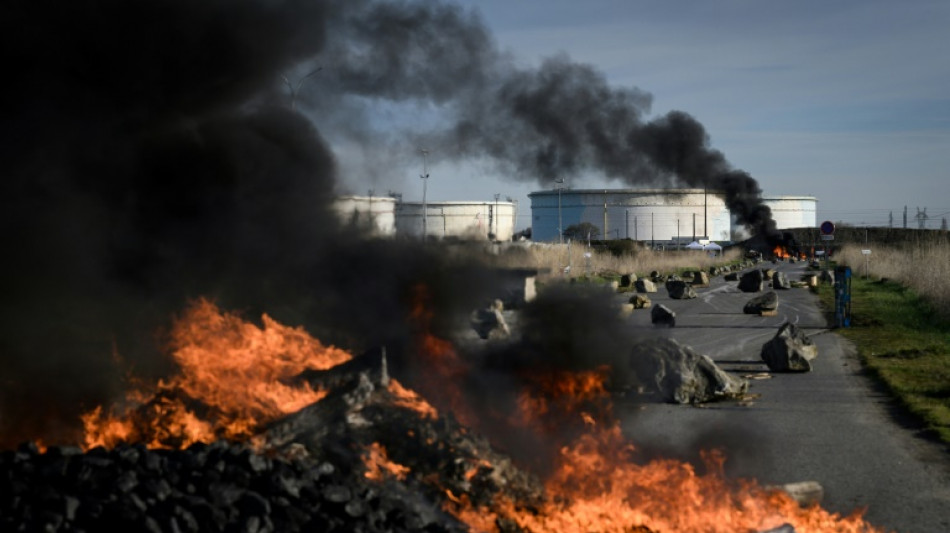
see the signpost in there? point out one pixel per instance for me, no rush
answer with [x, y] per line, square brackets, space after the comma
[867, 257]
[827, 229]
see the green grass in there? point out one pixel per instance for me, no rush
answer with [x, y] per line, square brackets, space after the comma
[905, 344]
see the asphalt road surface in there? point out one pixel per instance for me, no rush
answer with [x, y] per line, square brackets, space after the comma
[832, 425]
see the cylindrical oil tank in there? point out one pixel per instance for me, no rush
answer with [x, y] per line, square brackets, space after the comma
[461, 220]
[793, 211]
[370, 215]
[664, 215]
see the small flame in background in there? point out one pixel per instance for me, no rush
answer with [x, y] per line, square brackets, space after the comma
[233, 370]
[780, 252]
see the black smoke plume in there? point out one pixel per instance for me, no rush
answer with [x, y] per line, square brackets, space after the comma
[150, 155]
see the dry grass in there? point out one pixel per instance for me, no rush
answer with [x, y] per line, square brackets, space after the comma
[553, 259]
[924, 269]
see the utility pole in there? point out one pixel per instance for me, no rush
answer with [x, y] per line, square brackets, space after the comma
[560, 230]
[705, 215]
[425, 180]
[495, 215]
[606, 237]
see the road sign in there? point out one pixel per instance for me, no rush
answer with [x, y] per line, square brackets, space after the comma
[866, 252]
[827, 237]
[827, 227]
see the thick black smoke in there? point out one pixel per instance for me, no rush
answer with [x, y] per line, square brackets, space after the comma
[149, 155]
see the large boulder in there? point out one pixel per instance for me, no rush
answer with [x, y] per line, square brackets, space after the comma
[639, 301]
[764, 303]
[680, 290]
[752, 281]
[627, 280]
[662, 315]
[645, 285]
[700, 279]
[780, 281]
[732, 276]
[790, 350]
[489, 323]
[677, 374]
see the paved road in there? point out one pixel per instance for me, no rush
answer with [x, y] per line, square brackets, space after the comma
[831, 425]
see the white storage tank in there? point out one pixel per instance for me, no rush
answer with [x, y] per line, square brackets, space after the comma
[793, 211]
[665, 215]
[372, 215]
[461, 220]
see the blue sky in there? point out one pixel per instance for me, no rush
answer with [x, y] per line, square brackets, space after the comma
[848, 101]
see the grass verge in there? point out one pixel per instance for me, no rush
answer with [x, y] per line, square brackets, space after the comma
[905, 344]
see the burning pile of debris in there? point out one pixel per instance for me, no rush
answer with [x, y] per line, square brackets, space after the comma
[367, 455]
[336, 465]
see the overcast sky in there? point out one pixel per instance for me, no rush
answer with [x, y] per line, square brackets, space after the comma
[848, 101]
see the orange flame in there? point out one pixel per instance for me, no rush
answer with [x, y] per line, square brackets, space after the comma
[780, 252]
[442, 368]
[599, 487]
[379, 466]
[561, 393]
[230, 371]
[404, 397]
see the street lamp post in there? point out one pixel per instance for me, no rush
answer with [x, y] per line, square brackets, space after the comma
[495, 215]
[560, 230]
[425, 180]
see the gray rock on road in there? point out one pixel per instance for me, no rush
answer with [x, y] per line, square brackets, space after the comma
[640, 301]
[677, 374]
[662, 315]
[645, 285]
[680, 290]
[790, 350]
[780, 281]
[752, 281]
[765, 302]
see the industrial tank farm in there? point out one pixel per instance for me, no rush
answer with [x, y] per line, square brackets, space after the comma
[658, 215]
[638, 214]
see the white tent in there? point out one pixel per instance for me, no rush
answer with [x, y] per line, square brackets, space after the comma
[695, 246]
[712, 246]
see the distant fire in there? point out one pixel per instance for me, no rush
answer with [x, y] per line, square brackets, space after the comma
[779, 252]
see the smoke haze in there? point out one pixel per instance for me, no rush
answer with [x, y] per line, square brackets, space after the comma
[150, 155]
